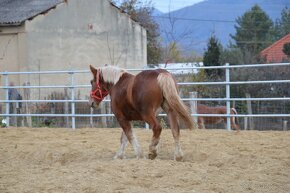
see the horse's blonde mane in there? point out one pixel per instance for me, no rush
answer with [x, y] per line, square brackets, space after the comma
[112, 74]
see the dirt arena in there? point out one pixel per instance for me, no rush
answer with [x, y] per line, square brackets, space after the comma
[215, 161]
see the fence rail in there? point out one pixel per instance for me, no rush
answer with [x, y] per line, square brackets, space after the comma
[72, 86]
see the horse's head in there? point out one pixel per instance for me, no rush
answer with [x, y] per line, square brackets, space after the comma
[100, 89]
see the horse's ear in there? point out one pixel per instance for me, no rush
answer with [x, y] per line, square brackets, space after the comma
[93, 70]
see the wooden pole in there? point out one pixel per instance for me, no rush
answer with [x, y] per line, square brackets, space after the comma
[193, 105]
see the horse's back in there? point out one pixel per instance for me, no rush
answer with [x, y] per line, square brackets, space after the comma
[149, 74]
[137, 95]
[203, 109]
[146, 90]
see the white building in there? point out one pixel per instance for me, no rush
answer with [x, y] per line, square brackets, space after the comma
[41, 35]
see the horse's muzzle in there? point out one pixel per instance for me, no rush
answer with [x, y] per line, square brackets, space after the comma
[92, 103]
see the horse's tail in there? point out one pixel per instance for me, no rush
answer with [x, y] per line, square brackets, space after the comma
[169, 89]
[235, 119]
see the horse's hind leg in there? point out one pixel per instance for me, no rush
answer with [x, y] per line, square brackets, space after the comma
[173, 121]
[172, 117]
[200, 121]
[235, 125]
[156, 128]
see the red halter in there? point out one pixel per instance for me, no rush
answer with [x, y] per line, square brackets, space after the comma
[102, 94]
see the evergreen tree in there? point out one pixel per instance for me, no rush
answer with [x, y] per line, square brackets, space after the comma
[254, 31]
[211, 57]
[282, 25]
[232, 56]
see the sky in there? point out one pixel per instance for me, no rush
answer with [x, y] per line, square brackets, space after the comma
[166, 5]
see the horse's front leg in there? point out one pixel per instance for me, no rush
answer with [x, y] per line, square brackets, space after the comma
[124, 141]
[128, 135]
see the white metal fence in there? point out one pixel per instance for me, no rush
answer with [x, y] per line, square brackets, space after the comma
[72, 85]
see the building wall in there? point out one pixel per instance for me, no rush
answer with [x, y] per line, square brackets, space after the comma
[72, 36]
[12, 54]
[79, 33]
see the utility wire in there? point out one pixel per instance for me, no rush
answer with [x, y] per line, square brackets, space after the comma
[193, 19]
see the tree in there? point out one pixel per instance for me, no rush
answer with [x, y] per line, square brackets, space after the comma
[142, 13]
[254, 32]
[282, 25]
[232, 56]
[211, 57]
[173, 54]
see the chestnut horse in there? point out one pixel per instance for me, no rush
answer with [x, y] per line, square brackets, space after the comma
[139, 97]
[203, 109]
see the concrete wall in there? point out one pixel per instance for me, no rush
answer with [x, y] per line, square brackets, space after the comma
[72, 36]
[12, 48]
[12, 54]
[79, 33]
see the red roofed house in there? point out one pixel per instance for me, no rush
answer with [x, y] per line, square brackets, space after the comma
[274, 53]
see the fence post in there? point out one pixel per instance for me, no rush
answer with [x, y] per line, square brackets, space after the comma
[91, 117]
[7, 98]
[66, 107]
[245, 123]
[110, 120]
[228, 96]
[27, 107]
[250, 112]
[285, 125]
[73, 118]
[146, 126]
[193, 105]
[103, 111]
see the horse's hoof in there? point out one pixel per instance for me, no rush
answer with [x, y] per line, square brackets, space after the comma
[152, 155]
[119, 157]
[178, 158]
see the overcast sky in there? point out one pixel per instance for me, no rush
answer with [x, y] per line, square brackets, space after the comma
[165, 5]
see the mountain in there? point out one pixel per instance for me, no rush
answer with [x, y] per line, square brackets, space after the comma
[192, 26]
[156, 12]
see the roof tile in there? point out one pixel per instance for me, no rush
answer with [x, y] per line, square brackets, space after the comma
[14, 12]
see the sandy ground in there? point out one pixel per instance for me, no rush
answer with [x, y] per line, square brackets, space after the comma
[215, 161]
